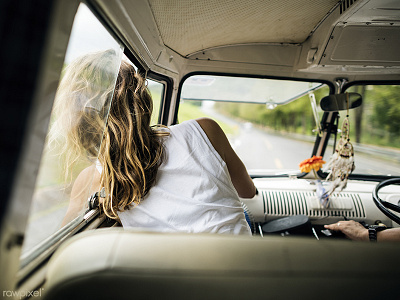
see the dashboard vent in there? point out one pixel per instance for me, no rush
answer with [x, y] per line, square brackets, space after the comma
[285, 203]
[345, 4]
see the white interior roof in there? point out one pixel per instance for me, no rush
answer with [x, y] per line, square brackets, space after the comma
[189, 26]
[306, 39]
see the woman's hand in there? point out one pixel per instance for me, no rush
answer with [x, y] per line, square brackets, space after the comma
[353, 230]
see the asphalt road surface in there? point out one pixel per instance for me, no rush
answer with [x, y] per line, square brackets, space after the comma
[260, 149]
[279, 152]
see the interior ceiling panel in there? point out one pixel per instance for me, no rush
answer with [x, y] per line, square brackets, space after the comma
[189, 26]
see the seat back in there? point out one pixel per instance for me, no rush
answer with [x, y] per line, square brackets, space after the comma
[122, 264]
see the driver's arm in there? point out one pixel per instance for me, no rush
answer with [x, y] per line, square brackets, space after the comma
[355, 231]
[389, 235]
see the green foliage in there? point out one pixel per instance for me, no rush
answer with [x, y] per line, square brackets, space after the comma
[296, 116]
[380, 123]
[376, 122]
[386, 113]
[378, 117]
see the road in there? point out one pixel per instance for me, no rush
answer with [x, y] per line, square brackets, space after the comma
[262, 149]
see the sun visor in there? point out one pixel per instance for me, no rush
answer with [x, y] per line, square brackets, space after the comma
[366, 44]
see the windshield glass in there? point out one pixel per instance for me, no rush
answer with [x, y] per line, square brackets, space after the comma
[269, 138]
[273, 136]
[374, 130]
[249, 90]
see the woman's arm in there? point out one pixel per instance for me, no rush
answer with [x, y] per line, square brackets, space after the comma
[87, 182]
[240, 178]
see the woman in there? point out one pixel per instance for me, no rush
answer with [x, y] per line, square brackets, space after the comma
[186, 178]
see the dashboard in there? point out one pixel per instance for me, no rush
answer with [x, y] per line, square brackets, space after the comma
[280, 198]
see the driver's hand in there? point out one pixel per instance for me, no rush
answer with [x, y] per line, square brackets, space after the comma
[353, 230]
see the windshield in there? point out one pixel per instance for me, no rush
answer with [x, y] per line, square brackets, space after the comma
[270, 137]
[274, 132]
[241, 89]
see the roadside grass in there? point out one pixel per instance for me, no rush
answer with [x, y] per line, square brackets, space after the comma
[188, 111]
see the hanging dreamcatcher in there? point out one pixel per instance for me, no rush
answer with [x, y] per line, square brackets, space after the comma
[315, 163]
[341, 164]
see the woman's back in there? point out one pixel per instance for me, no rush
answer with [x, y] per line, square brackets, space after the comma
[193, 191]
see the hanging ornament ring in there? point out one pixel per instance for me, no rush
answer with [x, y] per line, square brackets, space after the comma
[341, 164]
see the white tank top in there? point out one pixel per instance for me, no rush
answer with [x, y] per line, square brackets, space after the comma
[193, 190]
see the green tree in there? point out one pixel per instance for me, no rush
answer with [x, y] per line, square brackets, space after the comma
[359, 112]
[386, 113]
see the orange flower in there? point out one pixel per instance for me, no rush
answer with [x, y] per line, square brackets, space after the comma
[308, 164]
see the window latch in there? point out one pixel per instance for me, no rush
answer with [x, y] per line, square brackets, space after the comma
[93, 201]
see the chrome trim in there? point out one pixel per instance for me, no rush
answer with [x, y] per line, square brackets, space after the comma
[40, 253]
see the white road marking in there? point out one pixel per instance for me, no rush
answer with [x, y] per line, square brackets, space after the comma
[278, 163]
[268, 144]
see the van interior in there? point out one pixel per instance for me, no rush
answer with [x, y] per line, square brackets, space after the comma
[280, 77]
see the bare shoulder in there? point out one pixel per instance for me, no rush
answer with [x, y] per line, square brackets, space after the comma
[216, 135]
[211, 128]
[208, 124]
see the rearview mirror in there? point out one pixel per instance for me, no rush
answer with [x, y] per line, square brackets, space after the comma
[339, 101]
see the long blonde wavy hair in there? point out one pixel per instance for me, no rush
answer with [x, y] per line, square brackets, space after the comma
[128, 148]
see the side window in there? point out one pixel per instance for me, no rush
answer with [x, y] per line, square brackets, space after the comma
[59, 167]
[157, 94]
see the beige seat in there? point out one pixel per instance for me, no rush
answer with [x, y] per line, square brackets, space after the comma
[122, 264]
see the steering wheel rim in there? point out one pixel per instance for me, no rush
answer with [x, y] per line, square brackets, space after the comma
[384, 206]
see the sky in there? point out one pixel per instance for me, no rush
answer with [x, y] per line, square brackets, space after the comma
[88, 35]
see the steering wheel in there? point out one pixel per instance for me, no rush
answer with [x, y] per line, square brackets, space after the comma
[385, 206]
